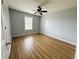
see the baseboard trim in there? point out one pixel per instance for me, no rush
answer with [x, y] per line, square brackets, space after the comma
[48, 36]
[24, 34]
[59, 39]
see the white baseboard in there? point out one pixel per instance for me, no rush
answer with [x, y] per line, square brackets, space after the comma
[60, 39]
[49, 36]
[24, 34]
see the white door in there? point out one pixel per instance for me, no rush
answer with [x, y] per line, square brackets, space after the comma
[5, 50]
[5, 29]
[3, 41]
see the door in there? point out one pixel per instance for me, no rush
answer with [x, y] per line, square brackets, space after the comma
[5, 31]
[3, 42]
[5, 46]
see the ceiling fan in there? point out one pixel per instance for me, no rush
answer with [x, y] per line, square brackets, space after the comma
[40, 11]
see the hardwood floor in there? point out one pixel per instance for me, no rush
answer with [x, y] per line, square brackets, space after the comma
[38, 46]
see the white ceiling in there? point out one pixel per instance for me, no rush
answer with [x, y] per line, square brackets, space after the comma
[49, 5]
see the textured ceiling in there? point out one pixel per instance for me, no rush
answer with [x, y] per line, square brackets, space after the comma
[49, 5]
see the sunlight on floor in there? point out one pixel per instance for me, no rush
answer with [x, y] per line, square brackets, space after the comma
[28, 43]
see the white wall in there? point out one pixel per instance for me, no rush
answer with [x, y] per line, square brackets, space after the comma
[61, 24]
[18, 24]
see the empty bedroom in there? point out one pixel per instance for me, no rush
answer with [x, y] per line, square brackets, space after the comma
[38, 29]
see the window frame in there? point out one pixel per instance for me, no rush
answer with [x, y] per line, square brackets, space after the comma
[30, 18]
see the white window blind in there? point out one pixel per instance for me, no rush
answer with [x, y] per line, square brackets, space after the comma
[28, 23]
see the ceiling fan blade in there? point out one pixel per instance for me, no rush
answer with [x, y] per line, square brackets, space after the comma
[39, 7]
[44, 11]
[41, 14]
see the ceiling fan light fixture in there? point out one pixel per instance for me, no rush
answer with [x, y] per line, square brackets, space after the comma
[40, 11]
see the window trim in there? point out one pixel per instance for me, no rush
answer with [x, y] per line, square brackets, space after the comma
[31, 23]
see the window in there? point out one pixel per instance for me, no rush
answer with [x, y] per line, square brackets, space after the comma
[28, 23]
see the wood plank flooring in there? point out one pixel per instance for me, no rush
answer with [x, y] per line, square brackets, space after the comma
[38, 46]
